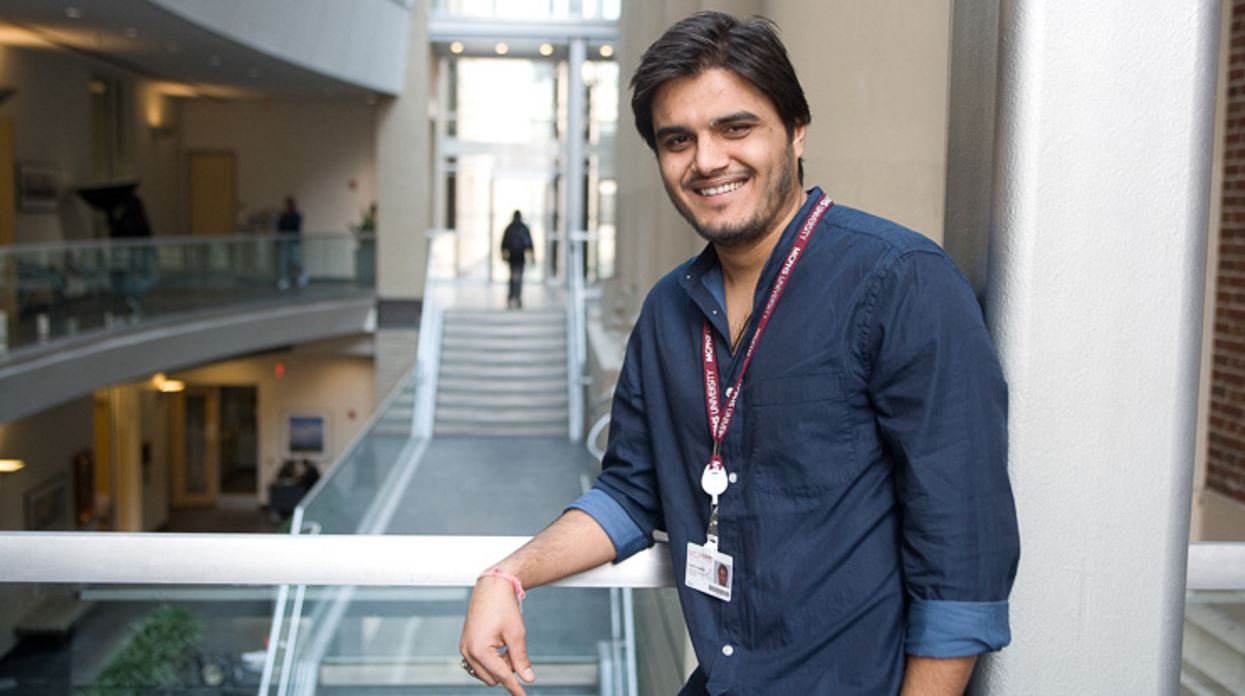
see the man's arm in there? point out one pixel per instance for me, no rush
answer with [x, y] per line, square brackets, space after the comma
[572, 544]
[931, 676]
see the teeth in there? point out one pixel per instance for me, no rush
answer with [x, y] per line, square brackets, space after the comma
[724, 188]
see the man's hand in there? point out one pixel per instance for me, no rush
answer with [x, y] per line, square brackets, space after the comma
[928, 676]
[572, 544]
[493, 622]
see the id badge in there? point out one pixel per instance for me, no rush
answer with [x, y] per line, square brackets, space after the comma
[709, 571]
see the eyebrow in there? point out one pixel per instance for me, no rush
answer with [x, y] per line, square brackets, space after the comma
[735, 117]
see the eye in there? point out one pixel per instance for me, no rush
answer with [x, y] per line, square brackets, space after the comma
[738, 130]
[675, 143]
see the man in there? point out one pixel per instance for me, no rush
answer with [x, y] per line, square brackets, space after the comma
[813, 402]
[289, 253]
[516, 246]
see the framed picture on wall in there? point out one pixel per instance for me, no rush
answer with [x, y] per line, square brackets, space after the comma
[38, 187]
[47, 505]
[305, 434]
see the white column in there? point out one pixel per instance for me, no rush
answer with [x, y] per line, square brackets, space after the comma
[1105, 120]
[572, 263]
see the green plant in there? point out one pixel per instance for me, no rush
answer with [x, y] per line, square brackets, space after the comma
[152, 656]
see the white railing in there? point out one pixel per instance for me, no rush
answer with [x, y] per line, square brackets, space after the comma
[576, 333]
[345, 560]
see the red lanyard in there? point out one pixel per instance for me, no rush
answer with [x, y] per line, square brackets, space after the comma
[719, 416]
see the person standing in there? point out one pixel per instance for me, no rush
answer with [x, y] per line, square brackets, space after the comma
[289, 251]
[516, 247]
[812, 408]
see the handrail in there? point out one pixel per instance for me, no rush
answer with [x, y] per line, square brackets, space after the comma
[156, 558]
[159, 558]
[1216, 566]
[175, 241]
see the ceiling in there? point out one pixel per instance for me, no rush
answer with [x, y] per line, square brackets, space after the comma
[142, 37]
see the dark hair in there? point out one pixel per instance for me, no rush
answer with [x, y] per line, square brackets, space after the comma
[749, 48]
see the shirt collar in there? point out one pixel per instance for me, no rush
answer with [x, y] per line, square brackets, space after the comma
[705, 268]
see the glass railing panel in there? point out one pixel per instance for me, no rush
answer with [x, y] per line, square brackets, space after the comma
[54, 291]
[357, 640]
[105, 640]
[341, 502]
[1214, 643]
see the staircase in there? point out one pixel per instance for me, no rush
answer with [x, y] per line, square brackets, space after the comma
[502, 373]
[1214, 648]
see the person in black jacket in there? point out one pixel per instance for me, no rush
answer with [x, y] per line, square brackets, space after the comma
[516, 246]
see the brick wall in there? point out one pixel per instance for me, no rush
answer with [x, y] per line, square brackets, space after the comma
[1226, 457]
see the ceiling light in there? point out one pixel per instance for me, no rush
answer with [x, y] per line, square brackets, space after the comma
[502, 48]
[9, 466]
[607, 51]
[166, 385]
[73, 13]
[456, 47]
[546, 49]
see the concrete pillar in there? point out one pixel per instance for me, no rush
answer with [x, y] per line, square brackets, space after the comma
[1105, 121]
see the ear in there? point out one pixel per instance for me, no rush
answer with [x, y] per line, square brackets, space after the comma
[797, 140]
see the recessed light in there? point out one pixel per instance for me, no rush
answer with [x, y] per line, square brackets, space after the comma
[502, 48]
[607, 51]
[456, 47]
[73, 13]
[546, 49]
[11, 466]
[131, 33]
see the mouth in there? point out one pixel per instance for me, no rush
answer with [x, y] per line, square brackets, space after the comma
[719, 189]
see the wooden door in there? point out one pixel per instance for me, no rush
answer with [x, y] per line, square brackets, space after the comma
[213, 192]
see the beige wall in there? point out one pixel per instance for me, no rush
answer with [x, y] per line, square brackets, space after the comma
[876, 77]
[321, 152]
[878, 140]
[51, 115]
[342, 387]
[404, 170]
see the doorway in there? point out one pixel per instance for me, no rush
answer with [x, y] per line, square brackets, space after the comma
[215, 443]
[213, 188]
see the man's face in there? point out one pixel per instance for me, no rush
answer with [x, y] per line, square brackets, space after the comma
[726, 159]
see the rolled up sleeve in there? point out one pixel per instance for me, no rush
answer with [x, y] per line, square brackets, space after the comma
[941, 401]
[625, 500]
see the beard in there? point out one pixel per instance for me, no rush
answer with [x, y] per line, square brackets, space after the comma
[773, 202]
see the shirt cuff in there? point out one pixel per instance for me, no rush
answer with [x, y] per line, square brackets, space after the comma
[943, 629]
[626, 535]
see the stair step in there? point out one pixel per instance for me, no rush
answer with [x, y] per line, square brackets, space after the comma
[482, 371]
[1214, 661]
[502, 357]
[510, 344]
[478, 430]
[493, 415]
[521, 400]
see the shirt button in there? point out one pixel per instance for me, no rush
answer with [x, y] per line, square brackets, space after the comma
[728, 650]
[733, 477]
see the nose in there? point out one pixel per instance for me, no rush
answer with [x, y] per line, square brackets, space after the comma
[711, 156]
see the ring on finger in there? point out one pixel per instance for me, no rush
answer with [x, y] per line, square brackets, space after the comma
[467, 666]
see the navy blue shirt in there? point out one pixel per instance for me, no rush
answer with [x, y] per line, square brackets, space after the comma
[871, 514]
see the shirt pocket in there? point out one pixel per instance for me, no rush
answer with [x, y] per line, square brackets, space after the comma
[801, 430]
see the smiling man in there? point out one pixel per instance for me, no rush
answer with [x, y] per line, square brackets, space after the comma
[811, 408]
